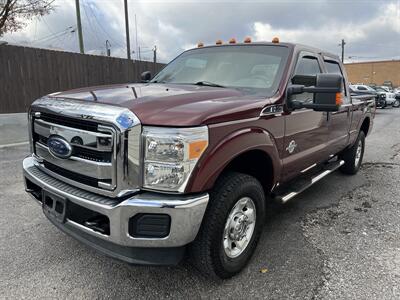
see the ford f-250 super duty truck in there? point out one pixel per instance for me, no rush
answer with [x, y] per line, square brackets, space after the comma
[184, 162]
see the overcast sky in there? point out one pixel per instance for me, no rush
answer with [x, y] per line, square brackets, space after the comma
[370, 28]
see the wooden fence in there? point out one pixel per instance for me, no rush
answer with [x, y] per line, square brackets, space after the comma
[29, 73]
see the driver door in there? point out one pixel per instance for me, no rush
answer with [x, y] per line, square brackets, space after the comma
[306, 130]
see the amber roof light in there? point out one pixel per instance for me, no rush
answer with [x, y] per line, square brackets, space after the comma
[200, 44]
[218, 42]
[275, 40]
[247, 40]
[232, 41]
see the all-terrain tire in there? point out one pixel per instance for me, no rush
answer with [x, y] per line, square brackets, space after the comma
[353, 156]
[207, 252]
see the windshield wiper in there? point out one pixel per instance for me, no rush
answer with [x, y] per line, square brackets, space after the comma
[208, 83]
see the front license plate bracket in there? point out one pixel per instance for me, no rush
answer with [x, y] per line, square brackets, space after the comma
[54, 206]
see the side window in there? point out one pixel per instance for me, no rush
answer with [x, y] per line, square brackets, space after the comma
[361, 88]
[334, 68]
[306, 65]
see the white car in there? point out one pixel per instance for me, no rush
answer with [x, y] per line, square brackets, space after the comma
[390, 97]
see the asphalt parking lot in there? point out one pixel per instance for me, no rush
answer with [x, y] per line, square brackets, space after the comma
[338, 240]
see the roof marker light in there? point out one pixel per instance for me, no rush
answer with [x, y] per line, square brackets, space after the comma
[218, 42]
[232, 41]
[200, 44]
[247, 40]
[275, 40]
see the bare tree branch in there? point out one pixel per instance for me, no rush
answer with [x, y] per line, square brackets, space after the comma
[15, 13]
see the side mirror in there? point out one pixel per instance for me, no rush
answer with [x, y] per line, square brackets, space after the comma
[326, 88]
[145, 76]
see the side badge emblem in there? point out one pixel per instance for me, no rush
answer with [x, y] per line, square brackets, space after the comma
[292, 146]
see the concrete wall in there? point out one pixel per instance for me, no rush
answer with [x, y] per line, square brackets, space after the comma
[374, 72]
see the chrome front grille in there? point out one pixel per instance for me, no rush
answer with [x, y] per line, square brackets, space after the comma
[105, 156]
[91, 161]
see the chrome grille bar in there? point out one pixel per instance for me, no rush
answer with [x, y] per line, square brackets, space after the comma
[79, 137]
[76, 164]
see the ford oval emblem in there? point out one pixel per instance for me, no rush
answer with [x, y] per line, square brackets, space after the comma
[59, 147]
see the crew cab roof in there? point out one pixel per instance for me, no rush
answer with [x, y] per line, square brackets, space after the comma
[295, 46]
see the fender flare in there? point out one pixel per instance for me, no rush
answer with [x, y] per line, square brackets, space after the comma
[218, 156]
[354, 133]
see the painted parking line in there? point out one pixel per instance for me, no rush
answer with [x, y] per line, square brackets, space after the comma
[13, 145]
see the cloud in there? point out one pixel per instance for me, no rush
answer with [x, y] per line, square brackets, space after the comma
[378, 36]
[371, 28]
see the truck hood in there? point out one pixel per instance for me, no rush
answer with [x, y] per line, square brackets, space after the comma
[173, 105]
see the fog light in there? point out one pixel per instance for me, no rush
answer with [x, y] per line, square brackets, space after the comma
[149, 225]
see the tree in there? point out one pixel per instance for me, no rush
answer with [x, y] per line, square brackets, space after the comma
[15, 13]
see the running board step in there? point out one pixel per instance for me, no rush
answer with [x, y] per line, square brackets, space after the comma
[283, 195]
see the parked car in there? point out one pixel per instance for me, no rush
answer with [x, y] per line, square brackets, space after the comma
[361, 89]
[387, 88]
[388, 96]
[388, 84]
[187, 160]
[397, 93]
[397, 96]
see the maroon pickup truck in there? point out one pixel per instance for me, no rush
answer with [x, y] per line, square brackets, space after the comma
[184, 162]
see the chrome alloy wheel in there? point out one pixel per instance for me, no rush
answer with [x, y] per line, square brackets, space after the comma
[239, 227]
[358, 153]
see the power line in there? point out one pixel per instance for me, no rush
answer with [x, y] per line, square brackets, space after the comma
[99, 41]
[52, 35]
[102, 28]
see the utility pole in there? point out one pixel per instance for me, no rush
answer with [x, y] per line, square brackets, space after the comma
[342, 45]
[155, 54]
[108, 48]
[136, 39]
[128, 44]
[154, 59]
[79, 24]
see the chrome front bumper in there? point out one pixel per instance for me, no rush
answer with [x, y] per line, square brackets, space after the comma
[186, 212]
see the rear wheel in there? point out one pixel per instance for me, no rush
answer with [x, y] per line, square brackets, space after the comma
[231, 226]
[353, 156]
[396, 103]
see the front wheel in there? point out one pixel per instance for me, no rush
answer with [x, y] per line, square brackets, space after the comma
[353, 156]
[396, 103]
[231, 226]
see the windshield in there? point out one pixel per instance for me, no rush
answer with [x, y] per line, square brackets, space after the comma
[251, 68]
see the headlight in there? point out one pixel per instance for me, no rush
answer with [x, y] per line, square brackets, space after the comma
[170, 155]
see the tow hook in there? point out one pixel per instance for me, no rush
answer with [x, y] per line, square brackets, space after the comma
[99, 224]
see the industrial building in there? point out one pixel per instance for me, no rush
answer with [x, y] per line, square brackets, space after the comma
[374, 72]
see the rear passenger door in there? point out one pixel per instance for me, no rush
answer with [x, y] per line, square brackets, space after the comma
[338, 121]
[306, 130]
